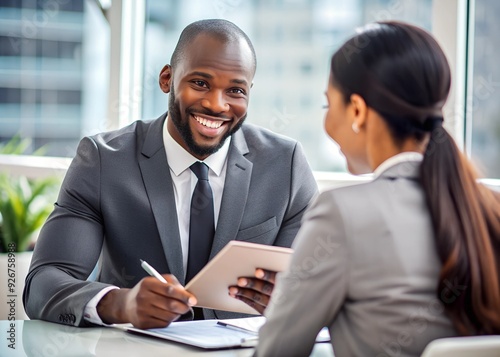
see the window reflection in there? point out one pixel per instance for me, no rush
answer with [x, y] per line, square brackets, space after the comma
[483, 101]
[53, 66]
[293, 40]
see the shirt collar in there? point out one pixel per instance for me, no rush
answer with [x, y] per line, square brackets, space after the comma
[397, 159]
[183, 159]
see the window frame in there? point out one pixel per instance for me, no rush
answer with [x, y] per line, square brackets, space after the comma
[127, 26]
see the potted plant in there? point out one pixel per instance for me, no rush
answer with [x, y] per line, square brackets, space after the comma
[24, 207]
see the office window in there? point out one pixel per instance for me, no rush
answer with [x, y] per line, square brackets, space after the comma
[53, 72]
[293, 40]
[483, 112]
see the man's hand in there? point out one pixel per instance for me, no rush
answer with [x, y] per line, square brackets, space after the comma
[149, 304]
[255, 291]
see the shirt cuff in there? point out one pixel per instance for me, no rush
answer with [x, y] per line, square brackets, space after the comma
[90, 311]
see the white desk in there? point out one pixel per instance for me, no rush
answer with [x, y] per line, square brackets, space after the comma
[43, 339]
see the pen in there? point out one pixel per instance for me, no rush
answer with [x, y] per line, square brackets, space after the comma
[234, 327]
[151, 271]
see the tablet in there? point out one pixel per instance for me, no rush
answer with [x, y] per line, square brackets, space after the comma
[236, 259]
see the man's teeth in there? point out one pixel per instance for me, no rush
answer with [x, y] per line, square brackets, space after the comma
[208, 123]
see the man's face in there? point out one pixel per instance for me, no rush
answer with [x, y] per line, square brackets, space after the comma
[209, 93]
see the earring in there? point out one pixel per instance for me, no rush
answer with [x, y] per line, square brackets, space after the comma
[355, 127]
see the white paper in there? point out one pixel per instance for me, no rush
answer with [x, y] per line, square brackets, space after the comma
[205, 334]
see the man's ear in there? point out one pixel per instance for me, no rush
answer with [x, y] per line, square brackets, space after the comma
[165, 78]
[359, 110]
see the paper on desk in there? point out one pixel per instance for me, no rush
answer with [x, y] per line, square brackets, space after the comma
[253, 324]
[249, 324]
[204, 334]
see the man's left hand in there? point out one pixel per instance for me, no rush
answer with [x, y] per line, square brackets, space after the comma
[255, 291]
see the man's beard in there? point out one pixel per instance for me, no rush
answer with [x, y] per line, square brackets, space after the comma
[185, 131]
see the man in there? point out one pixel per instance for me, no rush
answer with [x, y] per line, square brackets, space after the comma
[127, 196]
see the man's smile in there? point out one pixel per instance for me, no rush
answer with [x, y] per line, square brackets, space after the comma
[208, 122]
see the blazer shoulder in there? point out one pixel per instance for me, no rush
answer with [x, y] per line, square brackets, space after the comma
[348, 193]
[123, 137]
[381, 189]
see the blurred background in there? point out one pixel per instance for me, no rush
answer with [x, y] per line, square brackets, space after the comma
[74, 68]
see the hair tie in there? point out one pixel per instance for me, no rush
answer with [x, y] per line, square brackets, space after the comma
[432, 123]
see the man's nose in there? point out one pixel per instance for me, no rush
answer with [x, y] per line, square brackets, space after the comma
[215, 101]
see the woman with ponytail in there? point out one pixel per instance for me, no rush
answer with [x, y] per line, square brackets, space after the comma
[413, 255]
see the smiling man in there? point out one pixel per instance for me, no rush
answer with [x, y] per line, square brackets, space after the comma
[209, 82]
[172, 191]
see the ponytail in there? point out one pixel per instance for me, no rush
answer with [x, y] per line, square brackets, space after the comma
[466, 221]
[402, 74]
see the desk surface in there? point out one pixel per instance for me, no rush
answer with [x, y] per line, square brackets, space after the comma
[39, 339]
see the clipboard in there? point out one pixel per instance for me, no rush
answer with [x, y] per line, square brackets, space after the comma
[236, 259]
[215, 334]
[205, 334]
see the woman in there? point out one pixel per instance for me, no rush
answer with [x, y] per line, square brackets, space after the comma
[411, 256]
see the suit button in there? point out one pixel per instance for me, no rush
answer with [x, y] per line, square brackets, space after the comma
[68, 319]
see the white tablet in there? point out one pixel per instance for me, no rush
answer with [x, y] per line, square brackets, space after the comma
[236, 259]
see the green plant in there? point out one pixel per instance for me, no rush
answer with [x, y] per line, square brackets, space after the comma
[24, 207]
[24, 203]
[19, 146]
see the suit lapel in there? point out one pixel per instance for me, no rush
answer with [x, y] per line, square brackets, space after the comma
[234, 197]
[159, 188]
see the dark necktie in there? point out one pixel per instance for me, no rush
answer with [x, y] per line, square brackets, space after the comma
[201, 224]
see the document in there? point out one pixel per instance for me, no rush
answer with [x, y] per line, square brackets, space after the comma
[215, 334]
[206, 334]
[253, 324]
[236, 259]
[248, 324]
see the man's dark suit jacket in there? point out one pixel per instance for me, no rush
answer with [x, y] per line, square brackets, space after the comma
[117, 205]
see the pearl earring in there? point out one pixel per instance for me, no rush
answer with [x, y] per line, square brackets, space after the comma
[355, 127]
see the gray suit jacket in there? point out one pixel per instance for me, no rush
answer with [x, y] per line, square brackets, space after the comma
[366, 266]
[117, 204]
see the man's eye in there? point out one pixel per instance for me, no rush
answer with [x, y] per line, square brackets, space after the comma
[237, 91]
[200, 83]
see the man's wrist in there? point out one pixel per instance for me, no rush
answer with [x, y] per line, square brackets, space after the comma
[111, 307]
[90, 311]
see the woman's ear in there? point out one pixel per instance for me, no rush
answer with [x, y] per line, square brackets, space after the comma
[165, 78]
[358, 111]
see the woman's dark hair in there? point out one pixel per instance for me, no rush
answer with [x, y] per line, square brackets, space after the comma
[402, 73]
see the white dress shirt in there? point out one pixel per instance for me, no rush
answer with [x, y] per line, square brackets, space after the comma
[184, 181]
